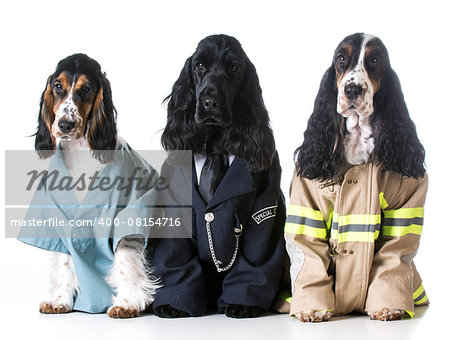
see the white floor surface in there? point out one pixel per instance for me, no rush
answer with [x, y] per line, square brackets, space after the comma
[23, 283]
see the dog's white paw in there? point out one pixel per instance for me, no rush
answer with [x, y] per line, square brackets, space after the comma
[313, 316]
[54, 307]
[387, 314]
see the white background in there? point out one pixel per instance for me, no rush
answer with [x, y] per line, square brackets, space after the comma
[142, 45]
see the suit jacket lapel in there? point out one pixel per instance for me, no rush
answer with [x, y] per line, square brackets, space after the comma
[237, 181]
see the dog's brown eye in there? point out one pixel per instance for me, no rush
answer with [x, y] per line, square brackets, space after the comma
[234, 68]
[86, 89]
[58, 88]
[373, 61]
[200, 67]
[342, 59]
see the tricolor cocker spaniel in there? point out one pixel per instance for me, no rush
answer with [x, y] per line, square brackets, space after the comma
[356, 210]
[88, 274]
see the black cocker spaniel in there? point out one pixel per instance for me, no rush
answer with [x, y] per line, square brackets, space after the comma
[232, 263]
[218, 93]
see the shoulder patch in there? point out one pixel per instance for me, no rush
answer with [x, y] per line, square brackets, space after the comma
[264, 214]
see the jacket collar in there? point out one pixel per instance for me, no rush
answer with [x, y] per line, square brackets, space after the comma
[237, 181]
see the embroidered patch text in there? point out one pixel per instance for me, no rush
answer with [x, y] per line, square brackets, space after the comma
[264, 214]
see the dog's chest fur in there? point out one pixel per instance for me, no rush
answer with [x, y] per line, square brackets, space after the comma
[359, 142]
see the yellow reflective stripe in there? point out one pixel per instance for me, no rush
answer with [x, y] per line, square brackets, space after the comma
[423, 300]
[305, 221]
[418, 292]
[400, 222]
[411, 314]
[354, 236]
[298, 210]
[355, 228]
[383, 203]
[334, 234]
[420, 296]
[286, 296]
[402, 231]
[301, 229]
[359, 219]
[404, 213]
[330, 219]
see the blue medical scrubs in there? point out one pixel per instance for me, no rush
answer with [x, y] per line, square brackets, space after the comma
[92, 247]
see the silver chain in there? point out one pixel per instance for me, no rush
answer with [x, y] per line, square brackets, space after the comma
[209, 217]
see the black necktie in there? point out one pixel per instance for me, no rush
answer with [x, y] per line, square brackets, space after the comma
[215, 167]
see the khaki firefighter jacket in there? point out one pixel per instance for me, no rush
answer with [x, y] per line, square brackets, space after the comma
[351, 241]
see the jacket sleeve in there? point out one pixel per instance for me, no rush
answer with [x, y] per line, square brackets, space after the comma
[255, 277]
[178, 267]
[306, 232]
[394, 282]
[176, 261]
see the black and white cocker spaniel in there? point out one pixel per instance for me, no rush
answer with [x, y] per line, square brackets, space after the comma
[360, 114]
[232, 264]
[359, 137]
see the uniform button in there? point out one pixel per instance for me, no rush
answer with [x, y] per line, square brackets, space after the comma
[209, 217]
[355, 181]
[344, 251]
[350, 251]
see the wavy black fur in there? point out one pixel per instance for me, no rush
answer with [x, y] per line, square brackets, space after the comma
[397, 146]
[249, 135]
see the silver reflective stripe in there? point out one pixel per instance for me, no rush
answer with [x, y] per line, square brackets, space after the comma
[356, 227]
[403, 222]
[420, 297]
[306, 221]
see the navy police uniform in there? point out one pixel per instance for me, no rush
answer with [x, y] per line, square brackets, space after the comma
[250, 205]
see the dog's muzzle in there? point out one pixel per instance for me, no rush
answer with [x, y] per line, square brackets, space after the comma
[68, 121]
[212, 110]
[355, 94]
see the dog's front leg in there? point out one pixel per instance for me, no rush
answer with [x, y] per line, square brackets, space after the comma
[132, 279]
[64, 285]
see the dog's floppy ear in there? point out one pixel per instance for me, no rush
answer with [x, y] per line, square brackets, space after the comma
[180, 132]
[322, 151]
[102, 134]
[250, 136]
[44, 142]
[397, 146]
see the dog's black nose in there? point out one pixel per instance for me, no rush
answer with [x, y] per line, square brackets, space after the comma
[353, 91]
[66, 126]
[209, 104]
